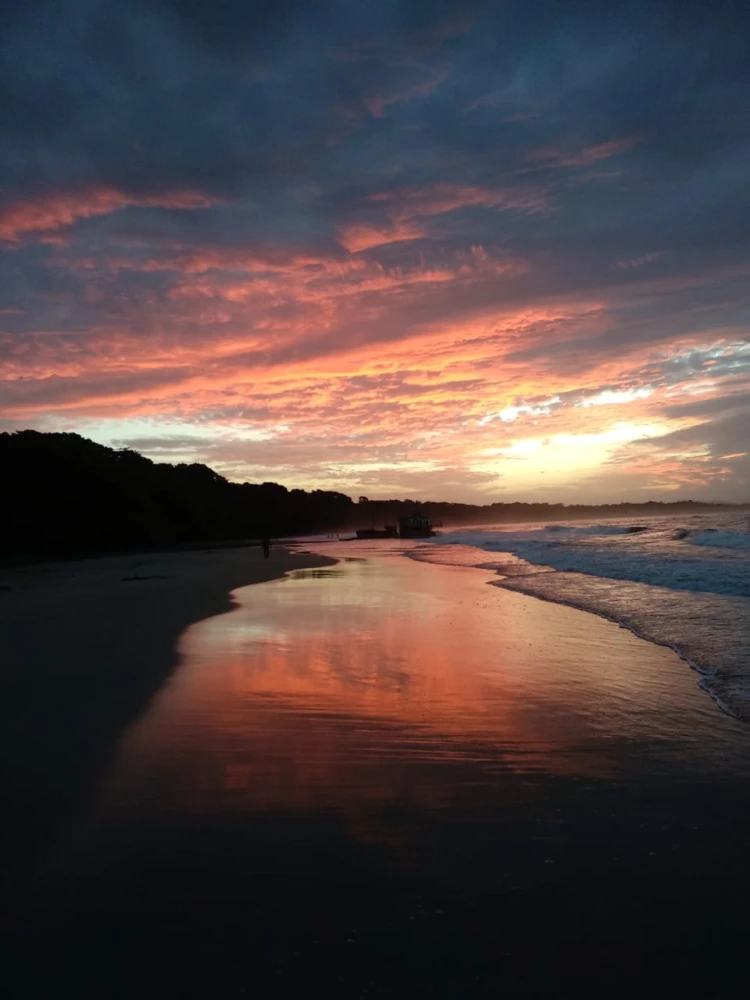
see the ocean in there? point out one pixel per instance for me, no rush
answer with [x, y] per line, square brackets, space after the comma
[682, 582]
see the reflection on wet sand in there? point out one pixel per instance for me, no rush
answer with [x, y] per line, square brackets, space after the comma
[390, 682]
[399, 780]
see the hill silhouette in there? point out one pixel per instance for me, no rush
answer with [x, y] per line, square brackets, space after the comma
[64, 495]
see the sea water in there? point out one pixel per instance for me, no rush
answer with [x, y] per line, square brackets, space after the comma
[680, 581]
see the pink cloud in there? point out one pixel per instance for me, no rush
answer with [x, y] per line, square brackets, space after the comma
[355, 238]
[55, 211]
[437, 199]
[560, 156]
[377, 103]
[600, 151]
[403, 208]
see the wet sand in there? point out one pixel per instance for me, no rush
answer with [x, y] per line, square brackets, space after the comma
[84, 646]
[385, 778]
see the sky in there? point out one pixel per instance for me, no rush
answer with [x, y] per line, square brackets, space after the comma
[474, 251]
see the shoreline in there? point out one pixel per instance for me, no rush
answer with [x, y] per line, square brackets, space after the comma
[705, 674]
[699, 618]
[576, 606]
[30, 561]
[503, 582]
[85, 646]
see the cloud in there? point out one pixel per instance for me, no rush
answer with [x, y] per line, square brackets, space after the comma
[382, 227]
[437, 199]
[713, 406]
[558, 156]
[726, 435]
[404, 211]
[364, 237]
[610, 397]
[50, 212]
[646, 258]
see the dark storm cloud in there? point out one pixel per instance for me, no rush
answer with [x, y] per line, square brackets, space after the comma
[273, 111]
[220, 95]
[231, 96]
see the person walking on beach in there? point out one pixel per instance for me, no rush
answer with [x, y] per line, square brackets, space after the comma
[266, 545]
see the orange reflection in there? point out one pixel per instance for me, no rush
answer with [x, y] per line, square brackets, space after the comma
[389, 682]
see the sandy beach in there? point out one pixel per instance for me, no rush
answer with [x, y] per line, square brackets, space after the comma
[382, 777]
[84, 646]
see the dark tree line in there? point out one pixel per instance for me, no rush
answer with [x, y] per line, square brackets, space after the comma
[64, 495]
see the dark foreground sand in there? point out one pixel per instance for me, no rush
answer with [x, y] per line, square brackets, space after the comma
[83, 647]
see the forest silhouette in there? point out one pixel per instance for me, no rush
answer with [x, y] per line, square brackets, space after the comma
[66, 496]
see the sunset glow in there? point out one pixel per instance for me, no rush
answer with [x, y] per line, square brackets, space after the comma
[475, 259]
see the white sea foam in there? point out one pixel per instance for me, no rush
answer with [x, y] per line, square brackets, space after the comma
[592, 550]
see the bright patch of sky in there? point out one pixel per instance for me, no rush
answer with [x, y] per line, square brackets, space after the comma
[561, 458]
[163, 432]
[511, 413]
[614, 396]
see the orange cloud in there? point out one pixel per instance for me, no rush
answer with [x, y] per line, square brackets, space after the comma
[54, 211]
[433, 377]
[404, 207]
[364, 237]
[352, 369]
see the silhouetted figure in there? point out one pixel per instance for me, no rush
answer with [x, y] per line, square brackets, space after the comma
[266, 544]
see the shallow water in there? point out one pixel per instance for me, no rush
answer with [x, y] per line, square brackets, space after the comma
[682, 581]
[328, 688]
[379, 772]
